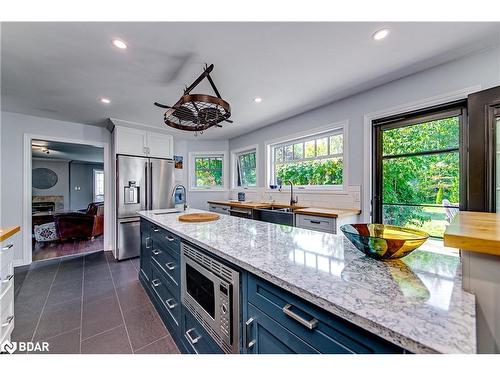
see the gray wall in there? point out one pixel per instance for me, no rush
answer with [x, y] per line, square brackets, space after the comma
[82, 175]
[480, 69]
[14, 126]
[61, 168]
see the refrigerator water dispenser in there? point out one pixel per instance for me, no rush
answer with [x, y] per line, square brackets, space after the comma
[131, 194]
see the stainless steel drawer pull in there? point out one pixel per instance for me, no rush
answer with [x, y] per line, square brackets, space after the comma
[156, 252]
[248, 324]
[156, 229]
[170, 266]
[170, 238]
[148, 242]
[240, 212]
[191, 339]
[170, 303]
[8, 278]
[315, 221]
[9, 246]
[8, 321]
[156, 283]
[310, 324]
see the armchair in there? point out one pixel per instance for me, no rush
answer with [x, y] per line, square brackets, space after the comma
[78, 225]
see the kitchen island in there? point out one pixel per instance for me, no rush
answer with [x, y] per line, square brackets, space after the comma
[412, 305]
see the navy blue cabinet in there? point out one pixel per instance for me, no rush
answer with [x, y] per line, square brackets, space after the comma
[266, 336]
[318, 329]
[160, 276]
[195, 338]
[146, 245]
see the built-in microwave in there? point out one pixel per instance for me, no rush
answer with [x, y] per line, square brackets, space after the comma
[210, 291]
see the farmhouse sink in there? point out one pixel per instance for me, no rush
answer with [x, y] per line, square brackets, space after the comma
[276, 215]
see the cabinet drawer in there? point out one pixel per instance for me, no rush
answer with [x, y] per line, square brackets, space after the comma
[166, 240]
[169, 302]
[7, 311]
[266, 336]
[322, 224]
[195, 338]
[6, 258]
[218, 208]
[6, 284]
[322, 330]
[169, 266]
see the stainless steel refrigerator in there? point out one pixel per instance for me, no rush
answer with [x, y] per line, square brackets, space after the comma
[141, 184]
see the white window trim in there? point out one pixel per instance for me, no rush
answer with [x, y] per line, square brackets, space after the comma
[234, 173]
[225, 170]
[344, 125]
[94, 187]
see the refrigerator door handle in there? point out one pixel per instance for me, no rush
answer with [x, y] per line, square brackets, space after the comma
[147, 186]
[150, 191]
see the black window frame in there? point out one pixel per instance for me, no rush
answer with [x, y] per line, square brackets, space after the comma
[413, 118]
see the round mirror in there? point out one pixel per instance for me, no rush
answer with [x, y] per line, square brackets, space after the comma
[44, 178]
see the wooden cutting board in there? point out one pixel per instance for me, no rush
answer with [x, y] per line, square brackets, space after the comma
[199, 218]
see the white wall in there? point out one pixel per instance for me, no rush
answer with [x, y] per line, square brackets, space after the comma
[13, 128]
[61, 169]
[198, 199]
[481, 69]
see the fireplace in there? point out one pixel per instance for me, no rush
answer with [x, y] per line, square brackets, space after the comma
[47, 203]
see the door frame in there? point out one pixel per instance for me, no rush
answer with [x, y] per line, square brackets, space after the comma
[456, 108]
[482, 107]
[391, 111]
[27, 191]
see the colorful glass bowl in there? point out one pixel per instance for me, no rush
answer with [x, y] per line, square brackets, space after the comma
[381, 241]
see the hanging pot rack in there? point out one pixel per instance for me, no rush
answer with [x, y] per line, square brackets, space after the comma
[197, 112]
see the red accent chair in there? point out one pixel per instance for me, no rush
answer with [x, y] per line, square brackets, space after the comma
[81, 225]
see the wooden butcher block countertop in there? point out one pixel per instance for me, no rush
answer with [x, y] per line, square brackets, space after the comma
[474, 231]
[327, 212]
[313, 211]
[8, 232]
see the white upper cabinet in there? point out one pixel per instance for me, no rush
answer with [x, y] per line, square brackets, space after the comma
[130, 141]
[160, 145]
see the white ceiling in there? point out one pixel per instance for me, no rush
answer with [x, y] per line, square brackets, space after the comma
[59, 70]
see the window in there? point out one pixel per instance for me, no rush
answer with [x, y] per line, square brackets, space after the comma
[98, 185]
[246, 168]
[312, 161]
[207, 171]
[418, 170]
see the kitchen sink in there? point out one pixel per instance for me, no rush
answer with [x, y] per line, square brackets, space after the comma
[275, 215]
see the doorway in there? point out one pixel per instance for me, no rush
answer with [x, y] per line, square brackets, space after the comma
[420, 167]
[67, 200]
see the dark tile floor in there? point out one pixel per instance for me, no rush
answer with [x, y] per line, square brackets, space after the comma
[56, 249]
[87, 304]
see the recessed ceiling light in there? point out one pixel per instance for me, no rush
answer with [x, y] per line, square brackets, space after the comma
[105, 100]
[380, 34]
[258, 99]
[119, 44]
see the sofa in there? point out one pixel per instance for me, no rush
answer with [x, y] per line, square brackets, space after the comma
[81, 225]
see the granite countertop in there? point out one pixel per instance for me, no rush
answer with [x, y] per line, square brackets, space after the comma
[416, 302]
[313, 211]
[474, 231]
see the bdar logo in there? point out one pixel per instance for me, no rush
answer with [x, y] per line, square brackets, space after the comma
[9, 347]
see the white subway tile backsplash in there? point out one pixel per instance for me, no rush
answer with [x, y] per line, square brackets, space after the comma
[348, 199]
